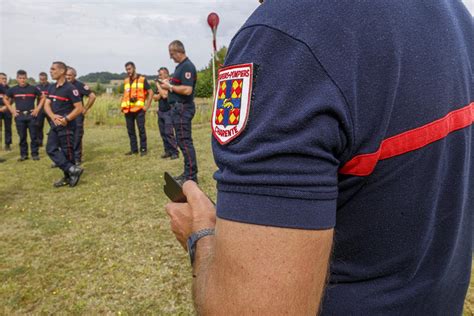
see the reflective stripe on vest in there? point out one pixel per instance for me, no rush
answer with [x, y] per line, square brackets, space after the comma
[134, 90]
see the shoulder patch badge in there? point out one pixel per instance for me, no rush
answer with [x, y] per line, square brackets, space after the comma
[75, 92]
[86, 87]
[187, 75]
[232, 102]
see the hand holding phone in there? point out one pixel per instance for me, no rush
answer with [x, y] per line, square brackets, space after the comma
[173, 189]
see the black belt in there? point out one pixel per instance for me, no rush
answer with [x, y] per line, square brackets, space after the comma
[26, 112]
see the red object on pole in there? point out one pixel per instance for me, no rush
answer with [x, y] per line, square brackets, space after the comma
[213, 21]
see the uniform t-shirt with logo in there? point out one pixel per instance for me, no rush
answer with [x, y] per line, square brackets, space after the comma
[360, 119]
[63, 98]
[83, 89]
[184, 74]
[24, 97]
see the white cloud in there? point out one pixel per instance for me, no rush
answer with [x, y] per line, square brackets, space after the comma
[95, 35]
[101, 35]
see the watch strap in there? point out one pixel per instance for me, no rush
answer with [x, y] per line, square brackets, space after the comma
[193, 239]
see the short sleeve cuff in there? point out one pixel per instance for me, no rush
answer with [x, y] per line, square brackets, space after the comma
[276, 211]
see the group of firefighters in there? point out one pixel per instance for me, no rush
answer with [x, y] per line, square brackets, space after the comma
[62, 104]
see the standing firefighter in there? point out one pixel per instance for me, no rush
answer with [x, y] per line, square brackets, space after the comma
[181, 98]
[5, 114]
[84, 90]
[62, 106]
[165, 121]
[24, 96]
[136, 100]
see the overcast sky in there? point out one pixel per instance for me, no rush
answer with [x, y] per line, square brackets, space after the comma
[101, 35]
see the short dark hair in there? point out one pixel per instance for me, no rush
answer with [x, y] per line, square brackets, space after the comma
[21, 72]
[43, 74]
[130, 63]
[178, 46]
[3, 74]
[164, 69]
[60, 64]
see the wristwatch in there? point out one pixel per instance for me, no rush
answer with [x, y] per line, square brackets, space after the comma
[193, 239]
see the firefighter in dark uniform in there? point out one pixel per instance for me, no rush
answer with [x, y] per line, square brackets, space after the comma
[165, 121]
[136, 100]
[5, 114]
[84, 90]
[62, 106]
[43, 88]
[24, 96]
[181, 98]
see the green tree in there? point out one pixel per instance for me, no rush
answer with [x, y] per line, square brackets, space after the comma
[204, 76]
[99, 88]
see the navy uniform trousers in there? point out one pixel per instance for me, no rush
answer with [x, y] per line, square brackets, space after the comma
[60, 145]
[130, 119]
[182, 114]
[25, 122]
[165, 125]
[40, 127]
[78, 134]
[7, 126]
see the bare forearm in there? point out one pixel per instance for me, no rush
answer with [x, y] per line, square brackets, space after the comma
[149, 98]
[49, 112]
[202, 265]
[90, 101]
[76, 112]
[183, 90]
[9, 106]
[267, 278]
[41, 103]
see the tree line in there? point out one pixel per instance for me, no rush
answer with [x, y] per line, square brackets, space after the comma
[99, 80]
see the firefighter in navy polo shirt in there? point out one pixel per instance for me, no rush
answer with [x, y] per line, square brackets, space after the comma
[62, 106]
[5, 114]
[24, 96]
[43, 88]
[181, 98]
[165, 121]
[84, 90]
[345, 154]
[136, 100]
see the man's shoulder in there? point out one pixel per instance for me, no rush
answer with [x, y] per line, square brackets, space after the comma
[189, 64]
[69, 86]
[78, 84]
[31, 88]
[13, 89]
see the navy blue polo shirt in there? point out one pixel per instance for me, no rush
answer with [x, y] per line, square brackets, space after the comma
[43, 88]
[83, 89]
[3, 92]
[24, 97]
[184, 74]
[360, 120]
[63, 98]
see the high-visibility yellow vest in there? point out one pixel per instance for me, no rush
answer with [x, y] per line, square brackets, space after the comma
[135, 90]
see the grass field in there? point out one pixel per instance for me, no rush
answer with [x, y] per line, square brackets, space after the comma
[103, 247]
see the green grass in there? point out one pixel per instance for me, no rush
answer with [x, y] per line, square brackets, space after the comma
[105, 246]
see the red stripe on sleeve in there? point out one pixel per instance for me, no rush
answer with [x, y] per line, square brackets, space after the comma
[58, 98]
[24, 95]
[364, 164]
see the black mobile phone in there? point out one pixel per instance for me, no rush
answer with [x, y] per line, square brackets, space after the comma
[173, 189]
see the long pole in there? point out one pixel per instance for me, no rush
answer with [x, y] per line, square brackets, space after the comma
[213, 75]
[214, 30]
